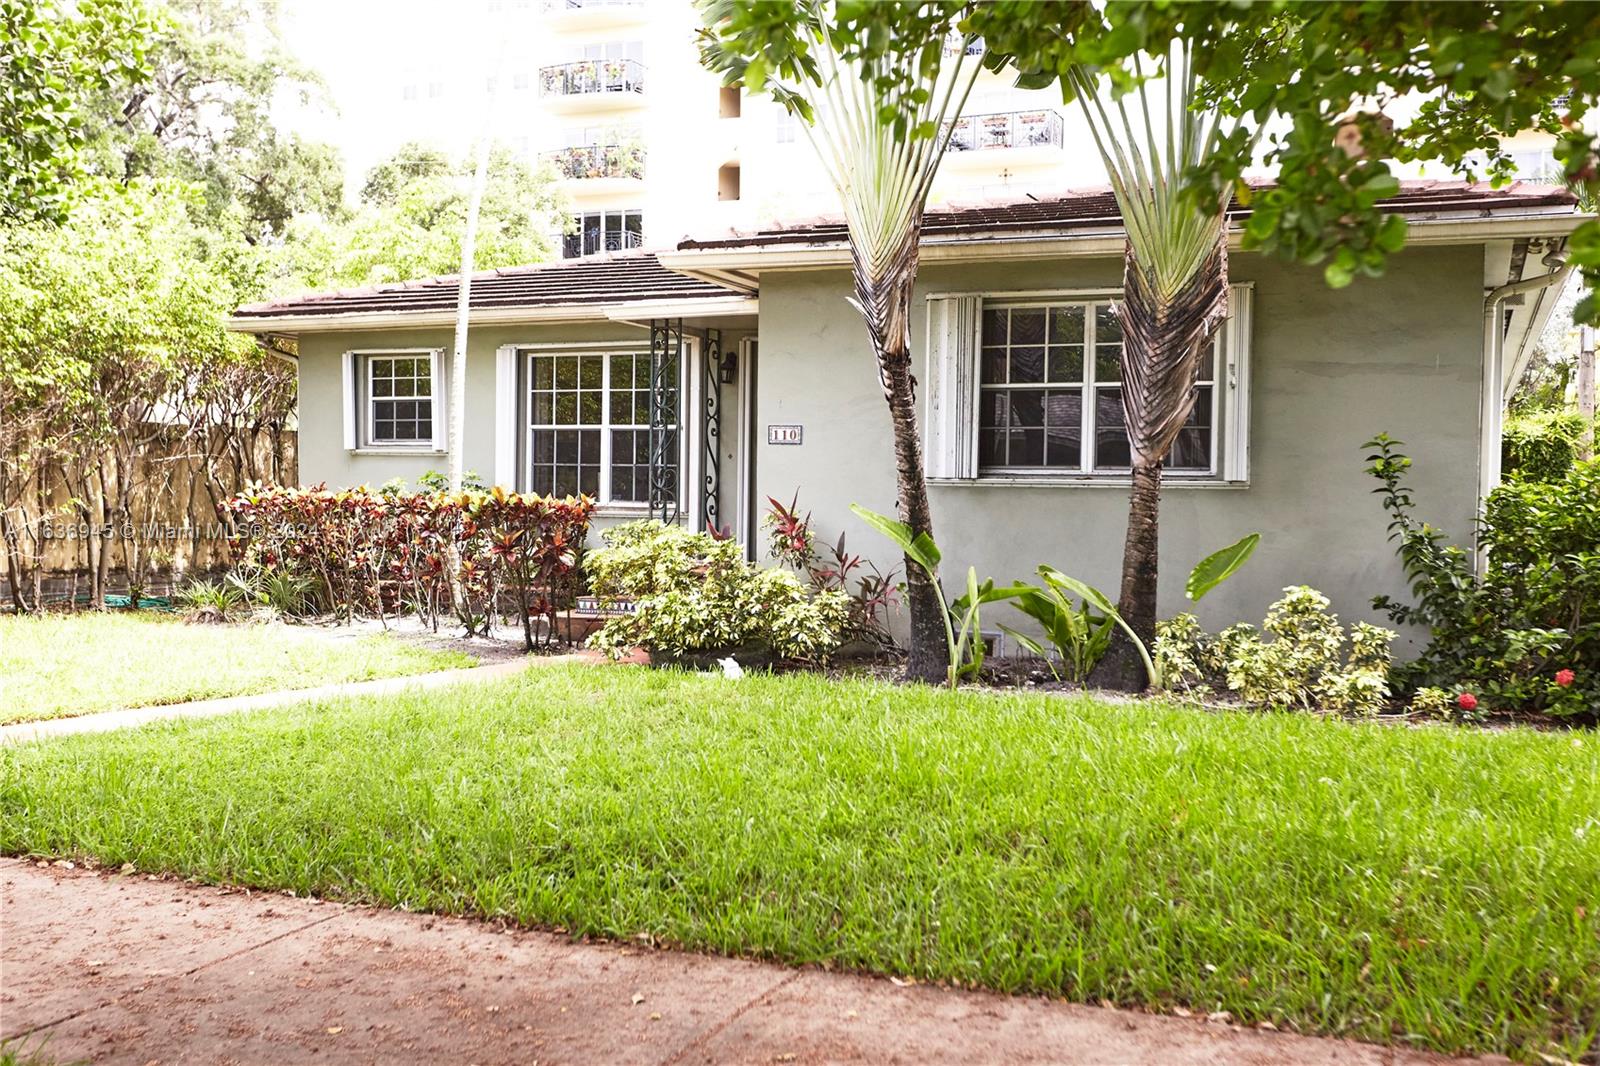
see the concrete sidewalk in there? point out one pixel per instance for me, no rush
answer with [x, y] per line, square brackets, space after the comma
[127, 718]
[126, 969]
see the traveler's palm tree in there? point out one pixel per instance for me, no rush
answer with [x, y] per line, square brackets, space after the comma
[879, 123]
[1175, 298]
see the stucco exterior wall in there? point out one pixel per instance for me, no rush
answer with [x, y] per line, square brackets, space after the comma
[323, 455]
[1330, 369]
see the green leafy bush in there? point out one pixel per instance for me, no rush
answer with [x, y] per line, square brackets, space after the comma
[1309, 661]
[694, 595]
[1541, 446]
[1525, 634]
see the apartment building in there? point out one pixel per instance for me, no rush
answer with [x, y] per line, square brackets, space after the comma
[650, 147]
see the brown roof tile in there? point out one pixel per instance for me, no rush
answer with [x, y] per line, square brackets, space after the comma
[629, 277]
[1098, 208]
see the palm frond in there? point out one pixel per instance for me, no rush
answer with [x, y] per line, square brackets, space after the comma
[1176, 263]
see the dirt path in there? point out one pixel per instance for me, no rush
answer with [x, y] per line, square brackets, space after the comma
[126, 969]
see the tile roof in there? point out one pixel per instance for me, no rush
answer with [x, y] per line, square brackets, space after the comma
[1097, 208]
[627, 277]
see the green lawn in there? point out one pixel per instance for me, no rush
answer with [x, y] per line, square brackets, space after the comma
[65, 664]
[1432, 886]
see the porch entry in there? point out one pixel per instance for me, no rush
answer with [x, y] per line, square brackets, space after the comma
[662, 428]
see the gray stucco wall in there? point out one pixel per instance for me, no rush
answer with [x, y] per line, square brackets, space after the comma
[1330, 369]
[323, 456]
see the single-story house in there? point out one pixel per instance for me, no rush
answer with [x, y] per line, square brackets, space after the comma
[695, 383]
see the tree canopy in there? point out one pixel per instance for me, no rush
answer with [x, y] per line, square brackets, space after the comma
[412, 217]
[1345, 86]
[54, 61]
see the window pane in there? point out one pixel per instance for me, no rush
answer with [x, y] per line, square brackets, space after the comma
[1027, 325]
[592, 371]
[543, 372]
[1066, 363]
[622, 372]
[1107, 345]
[566, 373]
[1027, 408]
[1027, 364]
[992, 447]
[1026, 447]
[1192, 449]
[544, 408]
[994, 326]
[1066, 325]
[589, 408]
[1063, 420]
[992, 406]
[994, 366]
[621, 408]
[566, 408]
[1110, 431]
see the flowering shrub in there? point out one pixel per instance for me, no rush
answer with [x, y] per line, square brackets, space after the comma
[694, 594]
[1524, 635]
[377, 553]
[1305, 664]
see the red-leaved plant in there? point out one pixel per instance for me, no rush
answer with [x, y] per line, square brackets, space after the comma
[377, 553]
[791, 541]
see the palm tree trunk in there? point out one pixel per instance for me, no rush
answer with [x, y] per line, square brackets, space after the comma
[885, 302]
[1164, 338]
[1122, 668]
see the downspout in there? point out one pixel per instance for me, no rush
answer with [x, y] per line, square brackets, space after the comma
[1492, 393]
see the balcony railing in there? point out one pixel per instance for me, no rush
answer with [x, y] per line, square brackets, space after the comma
[597, 161]
[555, 6]
[592, 76]
[1011, 129]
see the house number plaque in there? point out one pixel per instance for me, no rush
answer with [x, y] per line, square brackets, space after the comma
[785, 434]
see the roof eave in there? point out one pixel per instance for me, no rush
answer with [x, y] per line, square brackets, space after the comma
[712, 264]
[706, 307]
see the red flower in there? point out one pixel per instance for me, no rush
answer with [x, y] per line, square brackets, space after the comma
[1467, 701]
[1565, 677]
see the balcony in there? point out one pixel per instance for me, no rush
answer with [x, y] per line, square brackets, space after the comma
[593, 82]
[1039, 131]
[608, 165]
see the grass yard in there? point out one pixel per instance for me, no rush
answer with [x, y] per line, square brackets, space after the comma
[1431, 886]
[65, 664]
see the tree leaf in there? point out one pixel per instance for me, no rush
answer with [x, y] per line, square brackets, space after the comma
[1217, 567]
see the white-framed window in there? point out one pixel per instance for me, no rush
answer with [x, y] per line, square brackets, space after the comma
[1050, 393]
[1029, 387]
[788, 128]
[589, 426]
[394, 399]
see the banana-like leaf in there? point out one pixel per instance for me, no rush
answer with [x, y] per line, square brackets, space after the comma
[1089, 594]
[1217, 567]
[920, 549]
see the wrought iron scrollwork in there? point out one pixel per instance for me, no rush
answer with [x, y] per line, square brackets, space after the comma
[711, 429]
[666, 357]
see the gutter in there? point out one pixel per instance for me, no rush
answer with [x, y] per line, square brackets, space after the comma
[1492, 393]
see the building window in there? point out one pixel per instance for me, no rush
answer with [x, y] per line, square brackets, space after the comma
[521, 80]
[408, 92]
[604, 231]
[435, 90]
[399, 399]
[788, 127]
[728, 182]
[589, 426]
[728, 102]
[1050, 394]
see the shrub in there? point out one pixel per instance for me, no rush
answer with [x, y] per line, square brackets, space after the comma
[792, 542]
[1525, 634]
[377, 553]
[1541, 446]
[695, 595]
[1304, 664]
[211, 599]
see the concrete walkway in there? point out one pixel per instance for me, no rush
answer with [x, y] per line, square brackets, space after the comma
[127, 969]
[136, 716]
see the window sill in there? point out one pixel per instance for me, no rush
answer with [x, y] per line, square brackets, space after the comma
[397, 449]
[1039, 482]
